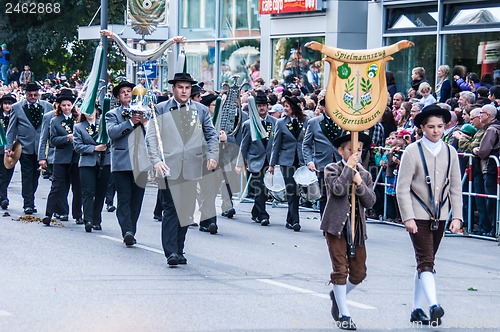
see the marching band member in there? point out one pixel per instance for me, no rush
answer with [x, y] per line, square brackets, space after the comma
[95, 169]
[184, 130]
[318, 149]
[287, 152]
[5, 174]
[25, 127]
[429, 187]
[256, 155]
[122, 127]
[65, 160]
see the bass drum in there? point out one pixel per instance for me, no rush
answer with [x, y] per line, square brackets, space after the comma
[275, 184]
[308, 184]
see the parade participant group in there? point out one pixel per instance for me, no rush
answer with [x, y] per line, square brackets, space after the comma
[183, 148]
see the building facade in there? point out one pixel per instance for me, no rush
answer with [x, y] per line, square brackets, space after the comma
[445, 32]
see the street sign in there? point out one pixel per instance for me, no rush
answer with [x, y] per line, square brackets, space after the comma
[150, 69]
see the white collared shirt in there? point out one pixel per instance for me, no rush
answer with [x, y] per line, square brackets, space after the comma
[433, 147]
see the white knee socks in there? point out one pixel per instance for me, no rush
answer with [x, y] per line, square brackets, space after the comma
[340, 292]
[428, 287]
[418, 294]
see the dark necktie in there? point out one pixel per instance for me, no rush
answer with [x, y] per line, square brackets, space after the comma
[295, 126]
[92, 127]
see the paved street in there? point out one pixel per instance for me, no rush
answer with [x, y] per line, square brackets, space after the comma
[246, 278]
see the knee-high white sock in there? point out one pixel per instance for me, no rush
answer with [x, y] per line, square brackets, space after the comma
[418, 294]
[429, 287]
[340, 292]
[349, 287]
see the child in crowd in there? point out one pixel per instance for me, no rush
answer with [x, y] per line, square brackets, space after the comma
[348, 257]
[401, 140]
[425, 90]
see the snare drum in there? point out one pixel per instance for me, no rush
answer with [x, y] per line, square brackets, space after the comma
[275, 184]
[308, 184]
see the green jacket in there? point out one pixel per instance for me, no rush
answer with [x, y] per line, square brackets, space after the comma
[467, 144]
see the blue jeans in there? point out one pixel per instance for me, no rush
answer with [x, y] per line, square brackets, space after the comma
[5, 77]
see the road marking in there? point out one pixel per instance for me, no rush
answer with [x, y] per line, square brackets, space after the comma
[267, 281]
[136, 245]
[4, 313]
[310, 292]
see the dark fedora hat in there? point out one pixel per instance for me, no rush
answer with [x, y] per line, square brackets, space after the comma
[65, 94]
[294, 102]
[182, 77]
[362, 137]
[197, 88]
[8, 97]
[431, 110]
[32, 86]
[122, 84]
[208, 99]
[261, 97]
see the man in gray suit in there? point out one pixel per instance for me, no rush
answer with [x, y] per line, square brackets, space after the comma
[125, 131]
[318, 149]
[256, 156]
[25, 127]
[186, 133]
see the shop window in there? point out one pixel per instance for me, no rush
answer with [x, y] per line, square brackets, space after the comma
[478, 52]
[422, 55]
[240, 57]
[240, 18]
[477, 15]
[200, 58]
[197, 18]
[403, 18]
[292, 61]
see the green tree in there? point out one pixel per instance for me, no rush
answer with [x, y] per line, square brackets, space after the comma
[49, 42]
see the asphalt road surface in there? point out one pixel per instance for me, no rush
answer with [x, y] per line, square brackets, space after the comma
[245, 278]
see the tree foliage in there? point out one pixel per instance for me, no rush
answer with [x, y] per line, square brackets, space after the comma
[49, 42]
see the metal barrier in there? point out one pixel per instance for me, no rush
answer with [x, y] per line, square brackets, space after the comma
[467, 177]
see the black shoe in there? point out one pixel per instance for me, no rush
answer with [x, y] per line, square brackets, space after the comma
[181, 259]
[257, 220]
[436, 312]
[159, 218]
[129, 239]
[97, 228]
[204, 229]
[28, 210]
[64, 217]
[78, 221]
[46, 221]
[4, 204]
[346, 323]
[88, 227]
[335, 308]
[56, 215]
[419, 316]
[212, 228]
[288, 225]
[296, 227]
[264, 222]
[35, 210]
[110, 208]
[229, 213]
[173, 259]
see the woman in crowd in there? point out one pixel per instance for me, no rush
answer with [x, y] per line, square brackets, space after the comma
[287, 152]
[443, 86]
[94, 163]
[65, 168]
[5, 174]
